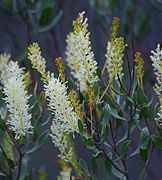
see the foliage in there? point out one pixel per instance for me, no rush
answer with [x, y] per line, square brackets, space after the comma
[107, 113]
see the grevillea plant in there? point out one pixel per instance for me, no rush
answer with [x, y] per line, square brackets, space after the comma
[106, 107]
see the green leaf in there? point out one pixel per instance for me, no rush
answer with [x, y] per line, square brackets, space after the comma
[141, 98]
[99, 154]
[10, 163]
[84, 167]
[82, 129]
[46, 16]
[2, 125]
[33, 108]
[113, 5]
[144, 154]
[37, 128]
[9, 4]
[94, 165]
[105, 115]
[115, 114]
[42, 139]
[29, 175]
[104, 133]
[71, 85]
[141, 22]
[134, 153]
[144, 139]
[108, 166]
[89, 143]
[125, 146]
[144, 113]
[109, 101]
[96, 89]
[50, 25]
[157, 141]
[99, 72]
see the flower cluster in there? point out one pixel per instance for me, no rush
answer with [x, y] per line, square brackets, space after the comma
[156, 58]
[65, 119]
[114, 58]
[80, 57]
[59, 138]
[59, 103]
[157, 64]
[114, 28]
[16, 99]
[60, 67]
[139, 68]
[74, 99]
[37, 61]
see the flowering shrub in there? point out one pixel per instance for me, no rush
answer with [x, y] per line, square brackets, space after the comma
[107, 113]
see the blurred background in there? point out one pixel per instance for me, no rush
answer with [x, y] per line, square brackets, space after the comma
[49, 21]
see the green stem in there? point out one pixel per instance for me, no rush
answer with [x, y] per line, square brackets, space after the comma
[91, 120]
[19, 168]
[105, 90]
[106, 60]
[104, 68]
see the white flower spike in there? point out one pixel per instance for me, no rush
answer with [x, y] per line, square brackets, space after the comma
[80, 57]
[16, 99]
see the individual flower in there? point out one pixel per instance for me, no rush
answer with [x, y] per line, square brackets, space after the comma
[114, 58]
[37, 61]
[156, 58]
[139, 68]
[80, 57]
[16, 99]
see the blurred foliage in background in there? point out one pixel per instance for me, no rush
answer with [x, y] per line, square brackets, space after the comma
[49, 21]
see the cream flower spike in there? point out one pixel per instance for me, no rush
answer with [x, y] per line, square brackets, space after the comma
[60, 104]
[114, 58]
[80, 57]
[38, 62]
[156, 58]
[59, 138]
[16, 99]
[65, 119]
